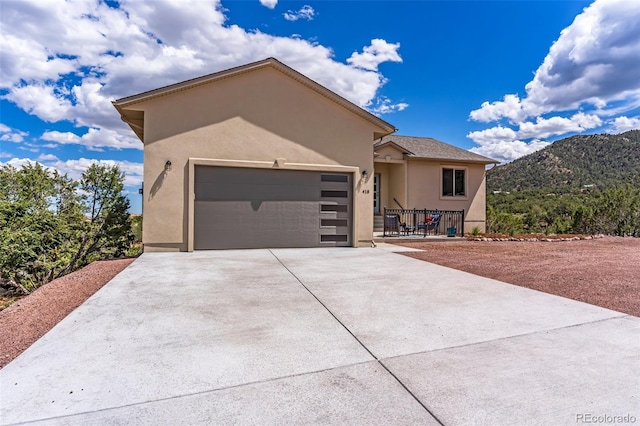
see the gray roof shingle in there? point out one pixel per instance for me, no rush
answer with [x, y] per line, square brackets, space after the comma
[418, 147]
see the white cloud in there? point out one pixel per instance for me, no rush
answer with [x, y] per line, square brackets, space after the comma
[508, 150]
[543, 128]
[33, 62]
[101, 138]
[269, 3]
[383, 105]
[493, 135]
[595, 61]
[11, 135]
[502, 144]
[75, 168]
[93, 108]
[18, 162]
[42, 100]
[622, 124]
[61, 137]
[592, 66]
[5, 155]
[306, 12]
[62, 75]
[373, 55]
[506, 144]
[510, 107]
[95, 139]
[46, 157]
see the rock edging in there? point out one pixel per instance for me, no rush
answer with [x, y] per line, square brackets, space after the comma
[535, 238]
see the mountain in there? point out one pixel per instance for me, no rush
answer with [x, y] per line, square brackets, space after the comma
[599, 160]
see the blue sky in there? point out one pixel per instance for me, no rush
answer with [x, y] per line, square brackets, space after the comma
[502, 78]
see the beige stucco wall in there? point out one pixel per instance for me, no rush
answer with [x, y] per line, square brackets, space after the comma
[389, 152]
[392, 184]
[424, 190]
[383, 170]
[392, 167]
[258, 116]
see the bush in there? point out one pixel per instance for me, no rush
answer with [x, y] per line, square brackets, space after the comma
[615, 211]
[136, 228]
[503, 223]
[51, 225]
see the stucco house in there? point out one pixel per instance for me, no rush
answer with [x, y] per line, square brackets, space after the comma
[424, 173]
[262, 156]
[254, 156]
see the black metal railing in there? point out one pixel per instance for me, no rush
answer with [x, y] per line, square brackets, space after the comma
[401, 222]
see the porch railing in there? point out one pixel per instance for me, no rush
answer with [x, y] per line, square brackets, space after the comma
[401, 222]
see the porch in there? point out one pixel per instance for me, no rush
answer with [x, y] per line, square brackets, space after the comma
[419, 223]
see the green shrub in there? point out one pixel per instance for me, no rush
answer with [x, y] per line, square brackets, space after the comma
[51, 225]
[504, 223]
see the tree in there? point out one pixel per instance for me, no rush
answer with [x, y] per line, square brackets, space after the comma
[106, 228]
[617, 211]
[51, 225]
[36, 207]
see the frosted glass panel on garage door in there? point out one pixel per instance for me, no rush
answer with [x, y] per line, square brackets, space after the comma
[257, 208]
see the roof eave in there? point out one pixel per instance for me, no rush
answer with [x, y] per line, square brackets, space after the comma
[459, 160]
[138, 129]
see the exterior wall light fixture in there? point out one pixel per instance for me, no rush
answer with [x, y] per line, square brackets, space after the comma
[167, 166]
[364, 174]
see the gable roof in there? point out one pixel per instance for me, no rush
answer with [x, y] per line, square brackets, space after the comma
[379, 144]
[429, 148]
[135, 119]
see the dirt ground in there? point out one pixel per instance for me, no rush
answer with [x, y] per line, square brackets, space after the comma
[28, 319]
[603, 272]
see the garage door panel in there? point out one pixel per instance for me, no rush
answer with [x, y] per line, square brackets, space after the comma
[255, 208]
[241, 215]
[270, 226]
[227, 183]
[263, 192]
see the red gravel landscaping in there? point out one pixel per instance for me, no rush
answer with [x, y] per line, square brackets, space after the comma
[602, 271]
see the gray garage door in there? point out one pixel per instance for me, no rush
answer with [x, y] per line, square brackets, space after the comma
[239, 207]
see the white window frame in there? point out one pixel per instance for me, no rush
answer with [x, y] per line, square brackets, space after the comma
[466, 182]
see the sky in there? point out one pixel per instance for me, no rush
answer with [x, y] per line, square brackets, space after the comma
[500, 78]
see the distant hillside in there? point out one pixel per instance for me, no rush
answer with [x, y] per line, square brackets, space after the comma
[600, 160]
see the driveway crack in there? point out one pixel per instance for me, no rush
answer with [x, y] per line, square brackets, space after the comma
[380, 363]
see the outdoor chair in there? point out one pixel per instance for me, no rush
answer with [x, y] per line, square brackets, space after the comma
[431, 223]
[392, 224]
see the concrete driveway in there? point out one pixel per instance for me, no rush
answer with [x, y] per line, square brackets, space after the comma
[323, 336]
